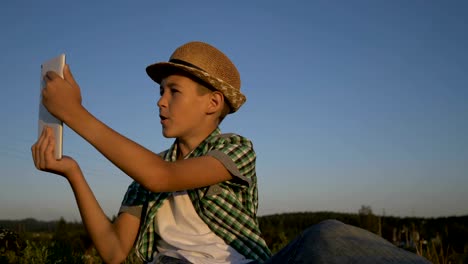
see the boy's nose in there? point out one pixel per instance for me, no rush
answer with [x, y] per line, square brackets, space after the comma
[162, 102]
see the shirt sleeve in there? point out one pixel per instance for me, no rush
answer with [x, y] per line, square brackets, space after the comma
[134, 199]
[237, 155]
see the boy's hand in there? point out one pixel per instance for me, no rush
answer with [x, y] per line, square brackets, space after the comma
[44, 159]
[61, 97]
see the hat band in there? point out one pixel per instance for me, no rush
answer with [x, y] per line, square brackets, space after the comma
[199, 80]
[177, 61]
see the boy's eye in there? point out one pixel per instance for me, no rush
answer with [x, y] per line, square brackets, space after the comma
[171, 90]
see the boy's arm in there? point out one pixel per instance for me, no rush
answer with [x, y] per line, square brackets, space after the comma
[62, 98]
[145, 166]
[112, 240]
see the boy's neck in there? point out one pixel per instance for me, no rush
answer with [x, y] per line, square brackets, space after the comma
[185, 146]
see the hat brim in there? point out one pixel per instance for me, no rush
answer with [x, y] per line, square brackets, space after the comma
[158, 71]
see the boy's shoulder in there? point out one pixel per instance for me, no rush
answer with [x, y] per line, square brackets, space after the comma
[228, 143]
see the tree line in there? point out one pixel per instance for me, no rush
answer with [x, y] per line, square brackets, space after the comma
[441, 238]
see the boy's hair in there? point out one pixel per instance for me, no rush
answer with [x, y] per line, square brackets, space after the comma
[209, 66]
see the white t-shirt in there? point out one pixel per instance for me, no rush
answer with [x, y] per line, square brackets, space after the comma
[184, 235]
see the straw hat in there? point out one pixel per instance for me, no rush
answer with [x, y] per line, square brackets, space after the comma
[206, 63]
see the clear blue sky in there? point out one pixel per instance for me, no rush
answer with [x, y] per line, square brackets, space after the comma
[349, 103]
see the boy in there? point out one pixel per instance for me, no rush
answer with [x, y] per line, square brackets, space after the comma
[195, 202]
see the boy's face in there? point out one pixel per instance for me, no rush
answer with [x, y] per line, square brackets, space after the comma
[181, 107]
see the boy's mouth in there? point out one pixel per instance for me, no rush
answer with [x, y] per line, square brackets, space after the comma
[163, 119]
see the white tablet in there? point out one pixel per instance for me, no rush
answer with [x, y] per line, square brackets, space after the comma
[45, 118]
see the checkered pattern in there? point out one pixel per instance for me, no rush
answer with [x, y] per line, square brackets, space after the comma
[228, 208]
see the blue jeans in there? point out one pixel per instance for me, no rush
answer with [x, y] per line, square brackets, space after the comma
[332, 241]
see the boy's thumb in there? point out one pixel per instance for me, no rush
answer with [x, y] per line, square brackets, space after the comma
[68, 76]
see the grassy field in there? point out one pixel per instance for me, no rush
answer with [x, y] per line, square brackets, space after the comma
[36, 252]
[440, 240]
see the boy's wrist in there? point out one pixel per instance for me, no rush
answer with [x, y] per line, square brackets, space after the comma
[75, 113]
[73, 174]
[75, 116]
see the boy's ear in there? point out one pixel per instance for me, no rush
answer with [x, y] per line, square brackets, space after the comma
[216, 102]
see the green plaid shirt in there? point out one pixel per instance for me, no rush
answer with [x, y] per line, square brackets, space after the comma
[228, 208]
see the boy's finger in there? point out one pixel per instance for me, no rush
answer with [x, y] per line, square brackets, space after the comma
[40, 154]
[68, 76]
[37, 148]
[50, 75]
[34, 155]
[50, 132]
[42, 147]
[41, 137]
[51, 145]
[35, 151]
[49, 152]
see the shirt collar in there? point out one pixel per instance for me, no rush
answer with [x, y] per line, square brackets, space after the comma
[171, 154]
